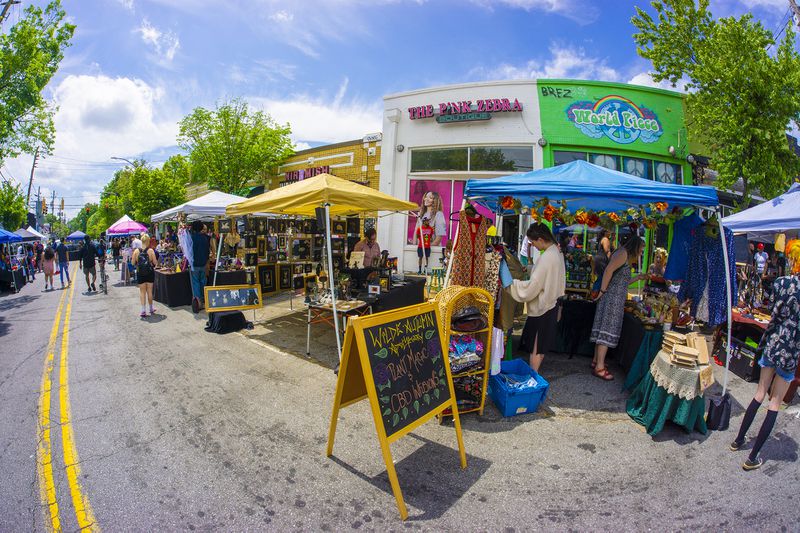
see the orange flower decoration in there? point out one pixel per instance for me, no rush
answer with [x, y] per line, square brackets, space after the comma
[507, 202]
[581, 217]
[593, 221]
[661, 206]
[549, 213]
[613, 217]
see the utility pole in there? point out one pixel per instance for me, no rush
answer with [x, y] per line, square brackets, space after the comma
[30, 181]
[796, 10]
[39, 208]
[6, 6]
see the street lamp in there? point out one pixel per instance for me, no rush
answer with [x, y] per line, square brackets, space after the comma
[131, 163]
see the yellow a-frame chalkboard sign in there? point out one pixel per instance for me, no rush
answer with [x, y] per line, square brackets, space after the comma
[397, 359]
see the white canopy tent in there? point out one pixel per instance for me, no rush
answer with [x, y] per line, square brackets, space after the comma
[209, 205]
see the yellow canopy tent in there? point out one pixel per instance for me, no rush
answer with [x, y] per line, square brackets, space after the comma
[338, 196]
[301, 198]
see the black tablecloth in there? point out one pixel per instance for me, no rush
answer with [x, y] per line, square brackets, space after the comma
[412, 293]
[629, 341]
[172, 289]
[7, 277]
[230, 277]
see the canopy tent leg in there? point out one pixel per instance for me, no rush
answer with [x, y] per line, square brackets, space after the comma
[455, 243]
[216, 263]
[729, 295]
[331, 280]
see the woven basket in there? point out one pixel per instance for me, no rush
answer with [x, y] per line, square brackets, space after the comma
[454, 298]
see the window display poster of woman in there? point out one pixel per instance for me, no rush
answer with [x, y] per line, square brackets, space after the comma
[437, 199]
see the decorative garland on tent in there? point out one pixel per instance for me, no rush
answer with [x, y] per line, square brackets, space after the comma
[649, 216]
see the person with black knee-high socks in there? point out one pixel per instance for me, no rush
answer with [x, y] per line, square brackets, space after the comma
[779, 349]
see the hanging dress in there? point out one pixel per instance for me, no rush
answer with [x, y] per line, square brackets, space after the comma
[469, 256]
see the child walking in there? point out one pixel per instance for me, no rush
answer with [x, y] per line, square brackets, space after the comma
[422, 238]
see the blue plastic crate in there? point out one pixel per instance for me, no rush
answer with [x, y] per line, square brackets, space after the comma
[517, 401]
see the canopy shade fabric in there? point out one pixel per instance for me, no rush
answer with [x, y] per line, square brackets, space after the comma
[301, 198]
[779, 214]
[125, 226]
[586, 186]
[26, 235]
[209, 205]
[35, 233]
[75, 236]
[7, 236]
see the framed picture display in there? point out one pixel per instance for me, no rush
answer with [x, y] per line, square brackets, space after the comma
[272, 226]
[319, 242]
[317, 255]
[281, 256]
[281, 226]
[250, 259]
[310, 283]
[369, 223]
[353, 225]
[357, 259]
[232, 297]
[267, 278]
[250, 241]
[337, 245]
[298, 282]
[301, 248]
[225, 225]
[282, 243]
[249, 225]
[308, 268]
[285, 277]
[262, 247]
[272, 243]
[298, 269]
[261, 226]
[272, 257]
[338, 227]
[309, 226]
[384, 284]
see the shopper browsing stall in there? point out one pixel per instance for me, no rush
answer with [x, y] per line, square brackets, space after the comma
[611, 303]
[370, 247]
[200, 254]
[541, 293]
[779, 349]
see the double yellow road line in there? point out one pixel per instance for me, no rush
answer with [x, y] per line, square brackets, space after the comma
[44, 457]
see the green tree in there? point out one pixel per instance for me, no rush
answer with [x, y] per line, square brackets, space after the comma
[29, 57]
[153, 190]
[13, 210]
[78, 223]
[231, 145]
[57, 228]
[741, 99]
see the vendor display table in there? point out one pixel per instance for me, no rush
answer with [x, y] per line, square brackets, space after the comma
[652, 338]
[15, 279]
[323, 314]
[230, 277]
[172, 289]
[670, 392]
[574, 328]
[411, 292]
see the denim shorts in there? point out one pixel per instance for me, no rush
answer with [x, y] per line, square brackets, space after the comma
[785, 374]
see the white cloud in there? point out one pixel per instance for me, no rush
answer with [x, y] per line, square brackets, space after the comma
[99, 117]
[580, 11]
[564, 62]
[281, 16]
[164, 44]
[127, 4]
[261, 71]
[646, 79]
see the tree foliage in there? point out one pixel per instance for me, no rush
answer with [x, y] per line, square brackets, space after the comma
[741, 97]
[13, 210]
[57, 228]
[29, 57]
[78, 223]
[231, 145]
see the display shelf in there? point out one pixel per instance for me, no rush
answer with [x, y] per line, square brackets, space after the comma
[451, 300]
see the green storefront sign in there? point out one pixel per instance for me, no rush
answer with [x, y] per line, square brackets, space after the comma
[612, 118]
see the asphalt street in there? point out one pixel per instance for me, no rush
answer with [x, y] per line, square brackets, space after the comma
[170, 428]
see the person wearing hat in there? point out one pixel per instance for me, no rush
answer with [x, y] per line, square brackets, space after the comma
[760, 259]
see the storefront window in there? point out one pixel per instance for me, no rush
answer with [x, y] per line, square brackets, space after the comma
[641, 168]
[439, 160]
[562, 158]
[501, 158]
[667, 172]
[603, 160]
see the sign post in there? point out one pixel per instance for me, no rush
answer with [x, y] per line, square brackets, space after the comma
[398, 360]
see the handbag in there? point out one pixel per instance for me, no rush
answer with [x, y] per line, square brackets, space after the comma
[719, 412]
[467, 320]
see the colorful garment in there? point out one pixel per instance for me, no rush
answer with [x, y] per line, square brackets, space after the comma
[469, 256]
[492, 285]
[706, 269]
[780, 344]
[424, 235]
[611, 309]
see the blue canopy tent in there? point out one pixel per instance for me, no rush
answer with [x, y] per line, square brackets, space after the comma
[584, 185]
[775, 216]
[8, 237]
[75, 236]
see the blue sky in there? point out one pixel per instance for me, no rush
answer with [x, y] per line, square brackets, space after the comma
[137, 66]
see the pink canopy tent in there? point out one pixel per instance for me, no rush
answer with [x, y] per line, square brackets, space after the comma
[126, 226]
